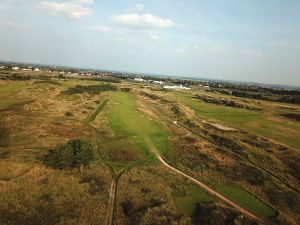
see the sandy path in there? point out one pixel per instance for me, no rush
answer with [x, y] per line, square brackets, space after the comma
[111, 204]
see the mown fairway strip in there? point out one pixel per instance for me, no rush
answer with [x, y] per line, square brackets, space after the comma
[125, 120]
[94, 114]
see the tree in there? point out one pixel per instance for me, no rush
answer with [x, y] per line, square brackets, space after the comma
[76, 153]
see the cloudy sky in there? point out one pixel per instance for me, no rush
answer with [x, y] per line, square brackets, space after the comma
[245, 40]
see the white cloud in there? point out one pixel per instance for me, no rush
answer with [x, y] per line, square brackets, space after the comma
[121, 39]
[179, 50]
[196, 47]
[100, 28]
[71, 10]
[9, 23]
[85, 2]
[252, 53]
[139, 6]
[154, 37]
[144, 21]
[13, 24]
[66, 36]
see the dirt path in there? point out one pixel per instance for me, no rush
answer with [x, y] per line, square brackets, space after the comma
[111, 204]
[200, 184]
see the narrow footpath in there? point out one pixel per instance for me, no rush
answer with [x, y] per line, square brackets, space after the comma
[111, 204]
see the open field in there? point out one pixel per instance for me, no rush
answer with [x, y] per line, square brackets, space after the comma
[255, 166]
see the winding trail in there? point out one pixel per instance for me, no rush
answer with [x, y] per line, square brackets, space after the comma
[200, 184]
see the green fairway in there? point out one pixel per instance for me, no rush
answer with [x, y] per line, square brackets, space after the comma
[186, 203]
[246, 200]
[125, 119]
[252, 121]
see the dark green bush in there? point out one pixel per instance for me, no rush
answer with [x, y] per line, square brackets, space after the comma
[4, 136]
[126, 89]
[91, 89]
[107, 79]
[75, 153]
[293, 116]
[69, 114]
[208, 214]
[175, 109]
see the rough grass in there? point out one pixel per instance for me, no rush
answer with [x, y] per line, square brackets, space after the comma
[10, 87]
[49, 197]
[9, 103]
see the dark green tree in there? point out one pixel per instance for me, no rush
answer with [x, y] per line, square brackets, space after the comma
[76, 153]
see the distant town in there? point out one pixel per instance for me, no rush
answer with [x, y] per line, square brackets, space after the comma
[167, 82]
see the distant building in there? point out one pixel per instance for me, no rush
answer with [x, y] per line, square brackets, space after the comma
[177, 87]
[36, 70]
[1, 67]
[158, 82]
[139, 80]
[15, 68]
[25, 69]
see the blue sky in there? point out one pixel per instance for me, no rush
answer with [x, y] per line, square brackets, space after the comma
[244, 40]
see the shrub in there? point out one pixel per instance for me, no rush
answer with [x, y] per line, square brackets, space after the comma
[106, 79]
[75, 153]
[207, 214]
[68, 114]
[91, 89]
[293, 116]
[4, 136]
[226, 142]
[126, 89]
[175, 109]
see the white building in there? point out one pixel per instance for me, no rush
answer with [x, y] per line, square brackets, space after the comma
[24, 69]
[158, 82]
[1, 67]
[139, 80]
[177, 87]
[37, 70]
[15, 68]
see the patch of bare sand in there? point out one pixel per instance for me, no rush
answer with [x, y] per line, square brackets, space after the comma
[219, 126]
